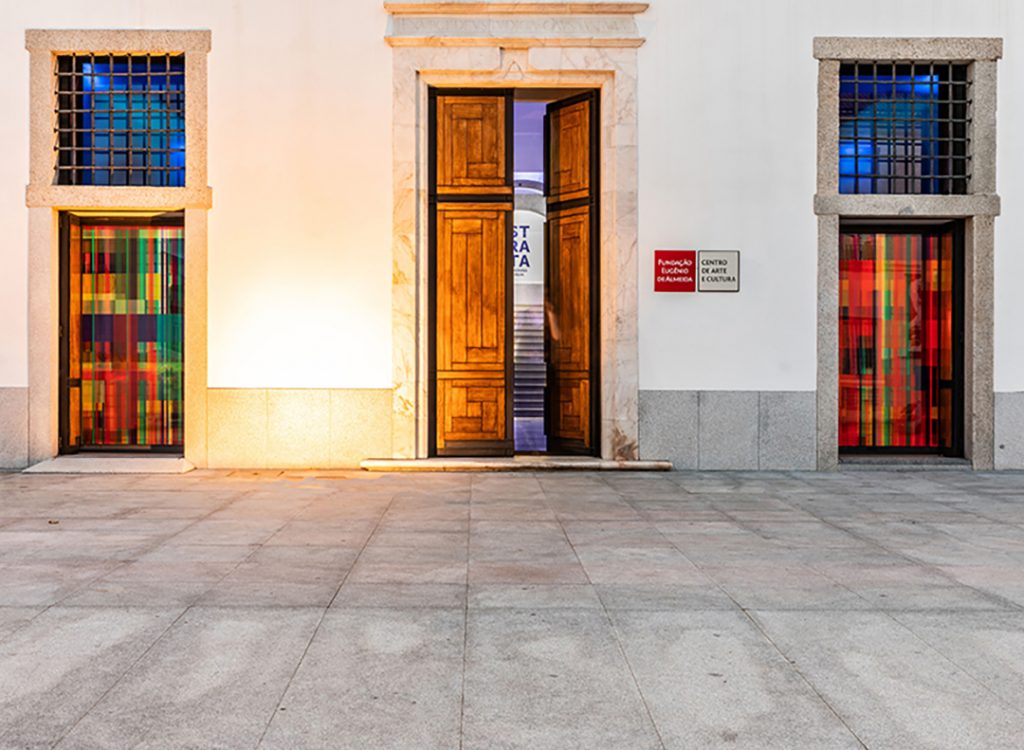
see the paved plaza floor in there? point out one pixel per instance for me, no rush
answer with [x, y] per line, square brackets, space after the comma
[487, 611]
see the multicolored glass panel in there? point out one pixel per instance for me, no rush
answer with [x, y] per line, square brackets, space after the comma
[896, 341]
[121, 120]
[128, 284]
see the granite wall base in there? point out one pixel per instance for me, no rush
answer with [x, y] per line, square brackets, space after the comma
[285, 428]
[1009, 430]
[737, 430]
[13, 428]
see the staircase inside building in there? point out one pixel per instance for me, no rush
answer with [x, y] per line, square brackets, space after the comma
[529, 378]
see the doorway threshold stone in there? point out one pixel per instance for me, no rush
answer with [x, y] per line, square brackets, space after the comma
[903, 462]
[517, 463]
[111, 463]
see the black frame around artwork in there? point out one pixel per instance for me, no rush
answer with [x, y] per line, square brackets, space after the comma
[930, 229]
[170, 218]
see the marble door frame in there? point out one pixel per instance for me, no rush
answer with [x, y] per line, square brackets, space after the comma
[607, 64]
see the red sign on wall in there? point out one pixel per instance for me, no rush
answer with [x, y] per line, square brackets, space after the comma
[675, 270]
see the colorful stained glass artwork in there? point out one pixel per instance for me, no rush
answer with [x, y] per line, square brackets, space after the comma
[896, 341]
[128, 284]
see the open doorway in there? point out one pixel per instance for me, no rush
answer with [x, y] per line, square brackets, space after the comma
[514, 268]
[528, 242]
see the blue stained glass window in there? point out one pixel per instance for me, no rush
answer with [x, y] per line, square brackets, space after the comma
[121, 120]
[904, 127]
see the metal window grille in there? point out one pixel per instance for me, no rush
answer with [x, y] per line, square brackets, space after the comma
[120, 120]
[904, 127]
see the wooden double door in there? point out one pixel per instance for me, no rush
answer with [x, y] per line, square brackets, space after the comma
[471, 208]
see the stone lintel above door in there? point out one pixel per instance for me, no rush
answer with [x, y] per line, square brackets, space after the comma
[514, 25]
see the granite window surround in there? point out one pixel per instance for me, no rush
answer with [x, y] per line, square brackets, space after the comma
[978, 209]
[45, 200]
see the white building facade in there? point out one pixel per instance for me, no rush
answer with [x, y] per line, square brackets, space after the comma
[262, 235]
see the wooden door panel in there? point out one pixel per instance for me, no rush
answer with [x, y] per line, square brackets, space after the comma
[74, 334]
[571, 275]
[574, 406]
[471, 295]
[473, 410]
[70, 351]
[471, 201]
[569, 287]
[472, 148]
[569, 133]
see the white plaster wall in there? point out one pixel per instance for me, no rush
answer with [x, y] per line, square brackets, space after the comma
[1009, 256]
[13, 214]
[300, 164]
[300, 235]
[727, 161]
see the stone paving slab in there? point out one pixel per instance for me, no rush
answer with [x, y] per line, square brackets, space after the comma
[376, 678]
[860, 609]
[713, 680]
[892, 689]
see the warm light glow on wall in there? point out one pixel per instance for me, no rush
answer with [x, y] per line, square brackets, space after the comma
[320, 324]
[300, 232]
